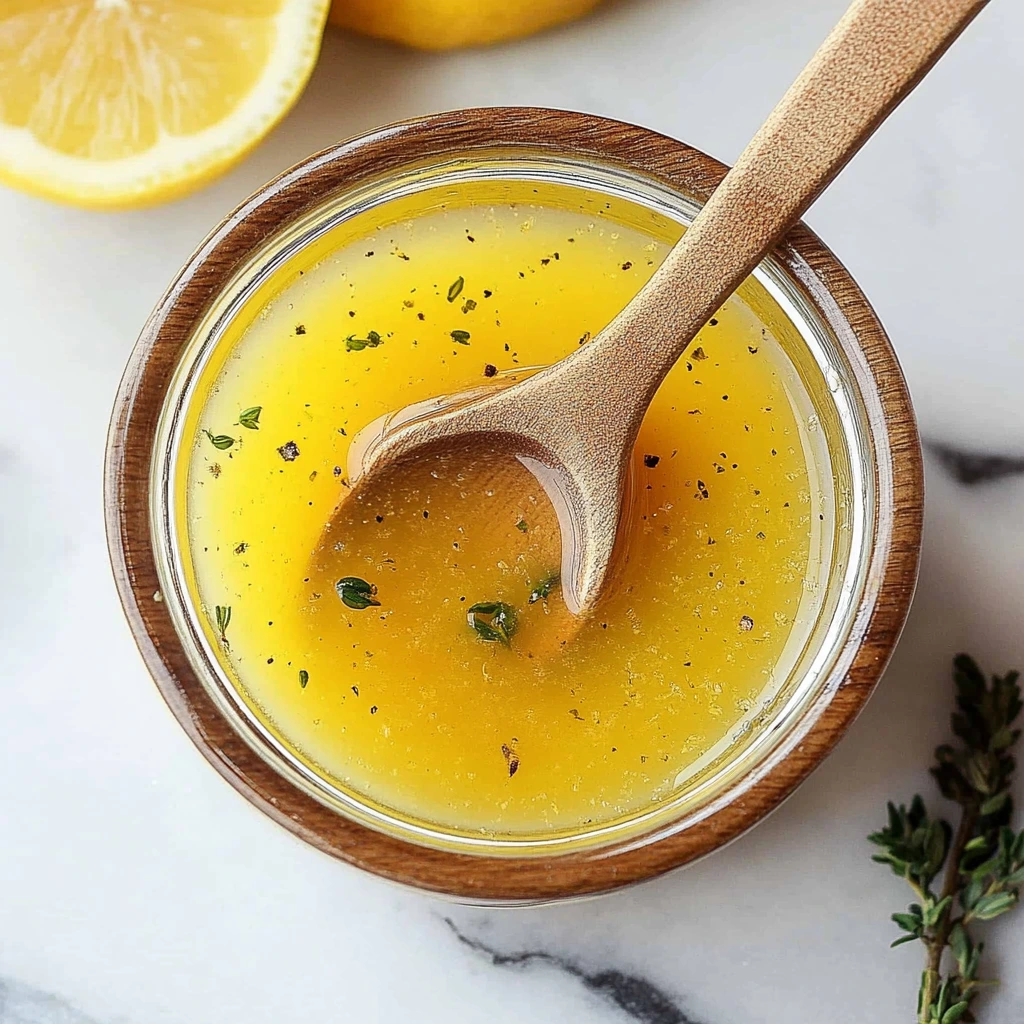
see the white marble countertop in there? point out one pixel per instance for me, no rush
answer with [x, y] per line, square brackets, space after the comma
[137, 888]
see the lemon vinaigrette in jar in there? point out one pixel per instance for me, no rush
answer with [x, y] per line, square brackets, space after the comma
[387, 667]
[411, 648]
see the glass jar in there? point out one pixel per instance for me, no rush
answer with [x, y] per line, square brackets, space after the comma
[857, 422]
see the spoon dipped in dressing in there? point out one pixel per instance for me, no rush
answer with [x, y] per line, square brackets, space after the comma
[573, 425]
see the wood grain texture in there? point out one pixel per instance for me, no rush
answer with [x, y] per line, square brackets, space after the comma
[515, 131]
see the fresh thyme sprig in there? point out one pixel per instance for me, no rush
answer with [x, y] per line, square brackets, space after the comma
[983, 858]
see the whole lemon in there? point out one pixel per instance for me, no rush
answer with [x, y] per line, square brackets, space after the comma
[446, 24]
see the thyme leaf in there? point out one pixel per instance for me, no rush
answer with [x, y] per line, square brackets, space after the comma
[250, 418]
[222, 615]
[220, 441]
[354, 344]
[541, 590]
[493, 621]
[356, 593]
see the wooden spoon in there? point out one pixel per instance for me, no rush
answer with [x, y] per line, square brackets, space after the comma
[574, 424]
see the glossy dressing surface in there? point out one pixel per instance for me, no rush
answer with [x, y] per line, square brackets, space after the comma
[403, 704]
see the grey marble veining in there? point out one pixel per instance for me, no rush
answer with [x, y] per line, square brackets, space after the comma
[635, 996]
[136, 886]
[972, 467]
[20, 1004]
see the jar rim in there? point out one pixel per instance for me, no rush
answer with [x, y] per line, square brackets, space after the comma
[136, 466]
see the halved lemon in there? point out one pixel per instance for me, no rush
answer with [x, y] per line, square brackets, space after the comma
[125, 102]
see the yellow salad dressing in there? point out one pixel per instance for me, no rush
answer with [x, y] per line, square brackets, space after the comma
[515, 719]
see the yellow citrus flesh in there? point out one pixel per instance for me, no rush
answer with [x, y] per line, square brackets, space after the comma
[122, 103]
[447, 24]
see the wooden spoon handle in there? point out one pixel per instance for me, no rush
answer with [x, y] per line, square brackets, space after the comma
[873, 58]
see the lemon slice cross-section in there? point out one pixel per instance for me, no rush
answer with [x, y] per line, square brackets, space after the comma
[125, 102]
